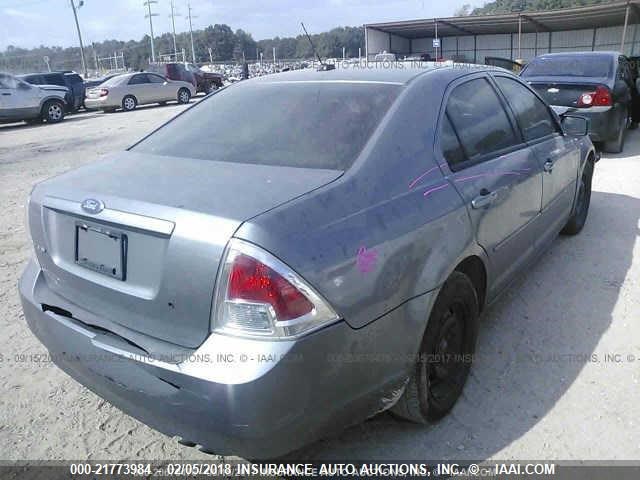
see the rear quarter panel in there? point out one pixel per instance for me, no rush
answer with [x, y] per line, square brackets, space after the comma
[389, 230]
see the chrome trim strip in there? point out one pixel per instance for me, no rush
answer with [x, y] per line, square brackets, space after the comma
[126, 219]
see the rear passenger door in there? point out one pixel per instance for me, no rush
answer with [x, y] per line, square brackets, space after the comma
[558, 156]
[138, 86]
[494, 170]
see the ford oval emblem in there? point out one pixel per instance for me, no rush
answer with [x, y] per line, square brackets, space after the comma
[93, 206]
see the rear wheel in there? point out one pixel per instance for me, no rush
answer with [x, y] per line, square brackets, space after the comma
[129, 103]
[184, 95]
[579, 216]
[445, 354]
[53, 111]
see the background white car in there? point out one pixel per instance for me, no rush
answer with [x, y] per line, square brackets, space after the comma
[129, 90]
[33, 103]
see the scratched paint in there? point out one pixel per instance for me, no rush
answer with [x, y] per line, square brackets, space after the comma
[415, 181]
[366, 259]
[435, 189]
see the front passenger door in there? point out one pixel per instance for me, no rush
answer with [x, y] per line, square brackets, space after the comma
[495, 172]
[558, 155]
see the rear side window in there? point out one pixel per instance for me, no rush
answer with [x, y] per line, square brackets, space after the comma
[139, 79]
[54, 80]
[532, 115]
[479, 119]
[34, 80]
[75, 78]
[451, 147]
[295, 124]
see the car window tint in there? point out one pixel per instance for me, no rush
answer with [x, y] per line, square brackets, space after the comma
[54, 80]
[450, 143]
[585, 65]
[479, 119]
[34, 79]
[305, 124]
[138, 79]
[532, 115]
[155, 79]
[75, 78]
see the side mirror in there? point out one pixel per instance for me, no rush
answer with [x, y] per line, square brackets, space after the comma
[575, 126]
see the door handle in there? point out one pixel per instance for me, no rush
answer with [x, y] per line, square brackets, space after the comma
[548, 166]
[485, 199]
[6, 94]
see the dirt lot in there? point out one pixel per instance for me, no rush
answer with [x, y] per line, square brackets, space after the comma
[543, 387]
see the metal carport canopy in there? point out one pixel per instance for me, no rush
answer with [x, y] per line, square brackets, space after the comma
[595, 16]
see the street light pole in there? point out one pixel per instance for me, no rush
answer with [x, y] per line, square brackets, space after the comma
[193, 50]
[75, 15]
[149, 16]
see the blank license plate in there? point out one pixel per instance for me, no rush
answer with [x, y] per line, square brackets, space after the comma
[101, 250]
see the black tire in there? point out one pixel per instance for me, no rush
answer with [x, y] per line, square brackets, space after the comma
[184, 95]
[129, 103]
[580, 211]
[445, 354]
[617, 145]
[53, 111]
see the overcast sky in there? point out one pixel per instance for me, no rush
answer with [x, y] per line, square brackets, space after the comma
[29, 23]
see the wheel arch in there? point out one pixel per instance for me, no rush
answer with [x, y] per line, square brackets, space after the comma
[474, 268]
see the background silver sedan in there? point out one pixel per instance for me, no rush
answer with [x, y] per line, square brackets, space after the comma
[129, 90]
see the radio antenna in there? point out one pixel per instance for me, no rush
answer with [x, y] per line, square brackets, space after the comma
[323, 66]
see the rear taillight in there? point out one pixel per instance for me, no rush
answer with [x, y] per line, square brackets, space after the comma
[259, 296]
[104, 92]
[600, 97]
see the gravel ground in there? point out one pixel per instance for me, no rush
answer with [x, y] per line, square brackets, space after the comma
[542, 388]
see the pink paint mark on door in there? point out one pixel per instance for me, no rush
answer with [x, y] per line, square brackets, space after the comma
[435, 189]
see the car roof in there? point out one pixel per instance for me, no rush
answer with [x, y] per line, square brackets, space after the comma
[375, 72]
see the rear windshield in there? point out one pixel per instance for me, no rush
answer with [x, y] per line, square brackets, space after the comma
[295, 124]
[570, 66]
[113, 81]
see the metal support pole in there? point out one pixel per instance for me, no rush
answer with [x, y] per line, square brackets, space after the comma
[75, 16]
[193, 50]
[624, 29]
[519, 36]
[149, 16]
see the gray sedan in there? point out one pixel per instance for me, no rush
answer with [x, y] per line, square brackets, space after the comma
[301, 251]
[129, 90]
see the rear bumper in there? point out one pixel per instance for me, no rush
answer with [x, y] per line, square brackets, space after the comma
[255, 399]
[98, 103]
[604, 121]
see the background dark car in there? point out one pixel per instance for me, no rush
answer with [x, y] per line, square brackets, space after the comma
[69, 79]
[187, 72]
[598, 84]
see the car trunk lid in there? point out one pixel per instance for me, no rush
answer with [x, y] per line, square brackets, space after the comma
[137, 238]
[564, 92]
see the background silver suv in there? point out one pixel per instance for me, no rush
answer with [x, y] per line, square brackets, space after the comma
[21, 101]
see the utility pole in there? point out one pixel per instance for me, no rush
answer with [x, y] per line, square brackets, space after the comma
[193, 50]
[173, 25]
[75, 15]
[149, 16]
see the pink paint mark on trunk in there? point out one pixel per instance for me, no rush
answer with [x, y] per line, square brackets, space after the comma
[366, 259]
[435, 189]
